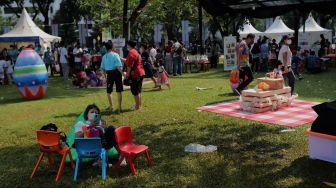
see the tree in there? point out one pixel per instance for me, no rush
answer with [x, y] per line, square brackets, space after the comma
[38, 6]
[43, 7]
[9, 4]
[67, 17]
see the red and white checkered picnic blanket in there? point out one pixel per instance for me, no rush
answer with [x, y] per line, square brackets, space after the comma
[298, 113]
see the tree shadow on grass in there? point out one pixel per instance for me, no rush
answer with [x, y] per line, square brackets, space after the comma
[18, 164]
[237, 145]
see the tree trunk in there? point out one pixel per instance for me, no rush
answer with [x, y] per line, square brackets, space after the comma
[125, 22]
[170, 31]
[46, 27]
[137, 11]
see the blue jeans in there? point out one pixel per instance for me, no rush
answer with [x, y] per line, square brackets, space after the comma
[177, 68]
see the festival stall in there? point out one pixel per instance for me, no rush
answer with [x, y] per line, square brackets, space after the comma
[310, 37]
[248, 28]
[26, 32]
[278, 29]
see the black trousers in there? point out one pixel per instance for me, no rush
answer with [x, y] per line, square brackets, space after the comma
[255, 64]
[245, 71]
[291, 80]
[214, 61]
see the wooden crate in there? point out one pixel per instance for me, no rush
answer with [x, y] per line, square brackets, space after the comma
[263, 100]
[263, 94]
[274, 83]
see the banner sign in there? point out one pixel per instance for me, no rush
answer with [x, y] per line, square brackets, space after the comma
[230, 52]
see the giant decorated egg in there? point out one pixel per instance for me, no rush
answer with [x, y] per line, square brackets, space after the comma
[30, 75]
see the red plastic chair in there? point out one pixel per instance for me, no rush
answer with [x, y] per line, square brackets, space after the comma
[128, 149]
[49, 142]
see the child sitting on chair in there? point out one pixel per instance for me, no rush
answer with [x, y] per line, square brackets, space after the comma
[93, 122]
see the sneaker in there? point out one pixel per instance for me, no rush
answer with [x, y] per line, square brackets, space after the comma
[123, 163]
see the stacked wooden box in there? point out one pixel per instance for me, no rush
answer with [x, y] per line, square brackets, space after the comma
[257, 101]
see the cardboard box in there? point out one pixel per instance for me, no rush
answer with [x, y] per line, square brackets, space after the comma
[274, 83]
[322, 146]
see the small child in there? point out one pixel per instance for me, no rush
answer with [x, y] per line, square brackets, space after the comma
[101, 78]
[162, 78]
[81, 80]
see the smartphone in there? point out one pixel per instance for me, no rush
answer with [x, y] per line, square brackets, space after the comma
[97, 118]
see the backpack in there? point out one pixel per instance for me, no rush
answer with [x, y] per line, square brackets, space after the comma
[53, 127]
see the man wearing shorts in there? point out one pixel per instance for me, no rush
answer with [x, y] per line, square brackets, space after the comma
[113, 69]
[136, 71]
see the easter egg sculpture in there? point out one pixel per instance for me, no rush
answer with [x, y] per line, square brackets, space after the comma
[30, 75]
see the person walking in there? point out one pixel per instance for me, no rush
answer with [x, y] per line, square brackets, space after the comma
[135, 70]
[64, 62]
[113, 70]
[264, 53]
[285, 57]
[47, 58]
[243, 63]
[148, 63]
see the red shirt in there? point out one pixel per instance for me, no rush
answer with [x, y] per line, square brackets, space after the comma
[131, 58]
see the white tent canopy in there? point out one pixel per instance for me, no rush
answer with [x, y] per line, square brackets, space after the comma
[278, 29]
[312, 26]
[309, 39]
[26, 30]
[248, 28]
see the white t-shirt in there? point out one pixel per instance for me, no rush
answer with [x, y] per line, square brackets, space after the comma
[64, 53]
[152, 53]
[77, 51]
[284, 49]
[79, 126]
[9, 67]
[2, 65]
[176, 45]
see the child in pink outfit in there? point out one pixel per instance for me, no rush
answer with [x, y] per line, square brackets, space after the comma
[162, 78]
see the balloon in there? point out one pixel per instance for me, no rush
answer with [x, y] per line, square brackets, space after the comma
[30, 75]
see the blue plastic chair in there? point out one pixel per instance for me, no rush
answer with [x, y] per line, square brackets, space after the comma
[90, 148]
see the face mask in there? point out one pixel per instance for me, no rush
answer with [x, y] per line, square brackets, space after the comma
[289, 42]
[128, 48]
[91, 116]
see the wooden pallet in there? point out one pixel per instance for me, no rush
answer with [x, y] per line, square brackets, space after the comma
[263, 94]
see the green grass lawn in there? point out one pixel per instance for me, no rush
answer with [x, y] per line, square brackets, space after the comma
[250, 154]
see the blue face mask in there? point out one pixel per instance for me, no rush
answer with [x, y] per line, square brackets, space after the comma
[94, 118]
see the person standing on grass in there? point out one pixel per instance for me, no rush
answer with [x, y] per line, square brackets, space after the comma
[113, 69]
[64, 61]
[243, 63]
[78, 53]
[47, 58]
[136, 72]
[285, 57]
[177, 59]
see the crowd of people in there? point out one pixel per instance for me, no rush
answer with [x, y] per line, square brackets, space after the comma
[283, 58]
[264, 56]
